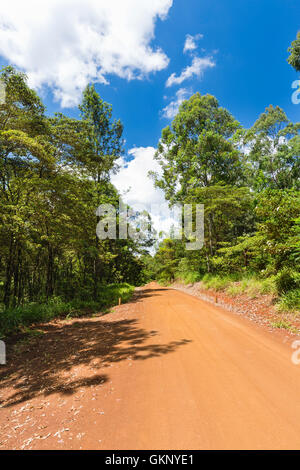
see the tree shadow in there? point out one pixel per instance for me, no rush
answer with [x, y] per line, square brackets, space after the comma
[146, 292]
[42, 367]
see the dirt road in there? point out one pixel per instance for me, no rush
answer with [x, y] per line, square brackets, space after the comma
[165, 371]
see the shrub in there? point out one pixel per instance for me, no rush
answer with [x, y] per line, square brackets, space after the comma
[216, 282]
[12, 319]
[287, 280]
[290, 301]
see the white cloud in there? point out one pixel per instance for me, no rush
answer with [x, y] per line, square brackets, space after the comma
[137, 189]
[64, 44]
[199, 65]
[171, 109]
[133, 175]
[190, 42]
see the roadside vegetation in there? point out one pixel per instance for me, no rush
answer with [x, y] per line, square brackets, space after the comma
[19, 319]
[54, 173]
[249, 183]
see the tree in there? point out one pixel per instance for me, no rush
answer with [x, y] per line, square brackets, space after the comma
[197, 150]
[104, 134]
[105, 142]
[228, 215]
[278, 211]
[294, 49]
[25, 156]
[273, 151]
[166, 259]
[54, 172]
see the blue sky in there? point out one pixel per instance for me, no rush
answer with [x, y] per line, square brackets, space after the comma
[131, 48]
[251, 72]
[248, 40]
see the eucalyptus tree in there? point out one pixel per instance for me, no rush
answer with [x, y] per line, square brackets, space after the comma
[197, 150]
[273, 154]
[198, 153]
[105, 147]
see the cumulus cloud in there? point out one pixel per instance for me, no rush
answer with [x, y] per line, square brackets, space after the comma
[197, 68]
[133, 176]
[191, 42]
[65, 44]
[171, 109]
[137, 189]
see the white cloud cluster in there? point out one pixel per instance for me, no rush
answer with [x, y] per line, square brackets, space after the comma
[133, 177]
[197, 68]
[191, 42]
[64, 44]
[171, 109]
[138, 189]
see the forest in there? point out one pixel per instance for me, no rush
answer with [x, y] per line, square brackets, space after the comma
[56, 170]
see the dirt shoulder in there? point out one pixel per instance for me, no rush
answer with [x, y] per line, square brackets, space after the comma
[260, 309]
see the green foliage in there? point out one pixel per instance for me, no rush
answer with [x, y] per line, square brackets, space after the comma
[167, 260]
[290, 301]
[54, 173]
[248, 181]
[252, 287]
[216, 282]
[16, 319]
[273, 151]
[294, 49]
[283, 324]
[287, 280]
[197, 150]
[185, 273]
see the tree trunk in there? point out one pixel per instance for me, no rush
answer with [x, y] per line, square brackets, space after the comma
[50, 264]
[8, 277]
[16, 274]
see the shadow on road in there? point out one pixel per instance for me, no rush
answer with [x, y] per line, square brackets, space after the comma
[42, 367]
[145, 292]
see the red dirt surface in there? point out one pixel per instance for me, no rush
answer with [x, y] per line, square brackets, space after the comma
[260, 309]
[165, 371]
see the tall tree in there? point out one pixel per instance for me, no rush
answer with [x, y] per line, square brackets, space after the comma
[106, 143]
[197, 150]
[273, 151]
[104, 136]
[25, 156]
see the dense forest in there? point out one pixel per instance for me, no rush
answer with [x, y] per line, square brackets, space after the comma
[56, 170]
[248, 181]
[54, 173]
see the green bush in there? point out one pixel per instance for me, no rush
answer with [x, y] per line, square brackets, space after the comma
[287, 280]
[210, 281]
[247, 284]
[290, 301]
[12, 319]
[189, 277]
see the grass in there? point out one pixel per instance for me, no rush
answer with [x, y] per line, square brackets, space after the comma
[189, 277]
[283, 324]
[17, 319]
[290, 301]
[219, 283]
[251, 286]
